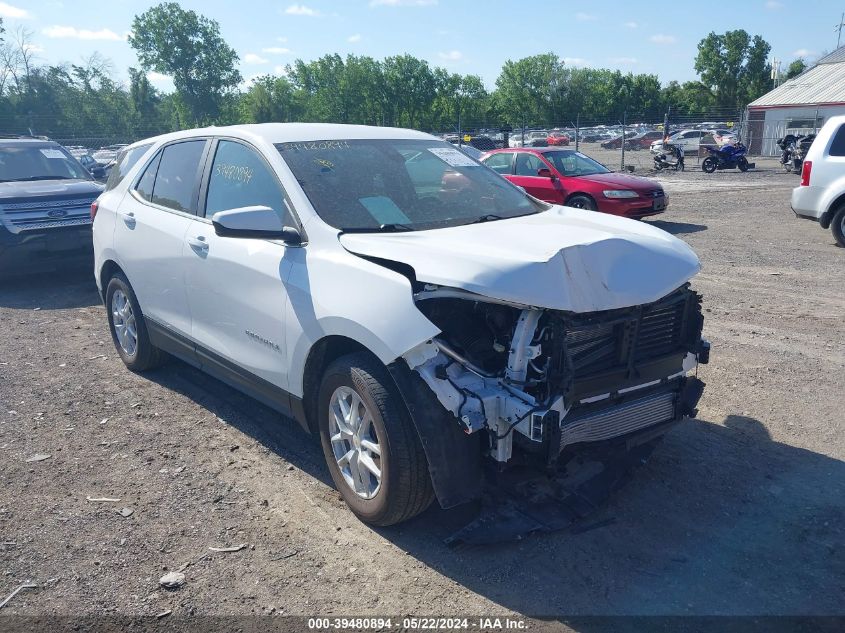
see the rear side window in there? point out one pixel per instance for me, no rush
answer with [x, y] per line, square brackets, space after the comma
[176, 179]
[145, 184]
[837, 147]
[125, 162]
[241, 178]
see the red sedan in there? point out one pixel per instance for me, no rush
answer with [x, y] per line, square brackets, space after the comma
[556, 139]
[567, 177]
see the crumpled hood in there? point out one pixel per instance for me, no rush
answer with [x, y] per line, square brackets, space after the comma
[563, 259]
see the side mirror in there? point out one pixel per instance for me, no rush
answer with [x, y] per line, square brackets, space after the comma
[545, 172]
[257, 222]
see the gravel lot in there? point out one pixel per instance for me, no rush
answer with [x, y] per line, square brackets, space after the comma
[740, 511]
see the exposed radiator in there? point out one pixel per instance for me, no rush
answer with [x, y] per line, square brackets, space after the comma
[616, 420]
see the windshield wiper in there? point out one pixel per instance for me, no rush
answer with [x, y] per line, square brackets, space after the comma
[395, 228]
[31, 178]
[486, 218]
[382, 228]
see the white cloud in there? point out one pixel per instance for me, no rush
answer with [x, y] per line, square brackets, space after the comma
[9, 11]
[352, 39]
[252, 58]
[631, 25]
[301, 9]
[33, 48]
[585, 17]
[774, 5]
[282, 39]
[402, 3]
[71, 32]
[451, 56]
[275, 50]
[803, 52]
[575, 61]
[660, 38]
[154, 76]
[623, 61]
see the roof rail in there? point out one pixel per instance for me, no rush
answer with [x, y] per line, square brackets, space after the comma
[25, 136]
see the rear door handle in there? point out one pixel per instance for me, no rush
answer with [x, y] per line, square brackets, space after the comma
[129, 219]
[198, 243]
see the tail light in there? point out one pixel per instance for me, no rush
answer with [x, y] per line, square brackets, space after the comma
[805, 173]
[94, 206]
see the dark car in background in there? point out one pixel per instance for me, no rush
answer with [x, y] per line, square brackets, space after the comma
[45, 207]
[616, 141]
[643, 140]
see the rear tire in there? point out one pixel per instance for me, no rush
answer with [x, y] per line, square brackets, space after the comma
[581, 202]
[742, 163]
[365, 427]
[708, 165]
[129, 328]
[837, 226]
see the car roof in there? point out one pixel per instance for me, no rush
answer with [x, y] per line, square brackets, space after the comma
[295, 133]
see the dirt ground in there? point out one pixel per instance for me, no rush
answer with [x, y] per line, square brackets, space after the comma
[738, 512]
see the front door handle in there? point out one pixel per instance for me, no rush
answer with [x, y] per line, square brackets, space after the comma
[198, 243]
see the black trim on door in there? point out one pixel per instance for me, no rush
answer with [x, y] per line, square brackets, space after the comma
[226, 371]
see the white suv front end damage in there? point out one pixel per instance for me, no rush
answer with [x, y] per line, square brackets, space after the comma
[579, 328]
[554, 379]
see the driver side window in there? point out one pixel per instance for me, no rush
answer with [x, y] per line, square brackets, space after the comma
[241, 178]
[528, 164]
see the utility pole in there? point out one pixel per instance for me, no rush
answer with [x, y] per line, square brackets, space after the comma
[775, 72]
[838, 29]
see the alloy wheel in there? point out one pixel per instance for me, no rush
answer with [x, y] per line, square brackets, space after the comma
[354, 442]
[123, 320]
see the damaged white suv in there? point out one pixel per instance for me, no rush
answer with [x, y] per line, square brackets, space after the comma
[397, 297]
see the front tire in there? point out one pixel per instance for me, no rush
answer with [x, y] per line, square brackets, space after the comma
[129, 328]
[708, 165]
[581, 202]
[837, 226]
[370, 444]
[742, 163]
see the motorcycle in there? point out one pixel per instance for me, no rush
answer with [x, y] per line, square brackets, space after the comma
[726, 157]
[671, 157]
[793, 150]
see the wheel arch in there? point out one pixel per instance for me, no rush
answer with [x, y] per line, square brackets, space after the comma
[832, 209]
[322, 354]
[107, 271]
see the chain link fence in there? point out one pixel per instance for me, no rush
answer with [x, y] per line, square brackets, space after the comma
[624, 142]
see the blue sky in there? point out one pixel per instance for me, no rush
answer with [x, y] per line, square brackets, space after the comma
[464, 36]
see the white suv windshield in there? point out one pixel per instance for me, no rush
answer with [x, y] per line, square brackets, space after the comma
[371, 185]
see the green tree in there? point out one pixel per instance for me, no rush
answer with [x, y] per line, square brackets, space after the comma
[269, 99]
[189, 48]
[733, 65]
[531, 89]
[689, 98]
[795, 68]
